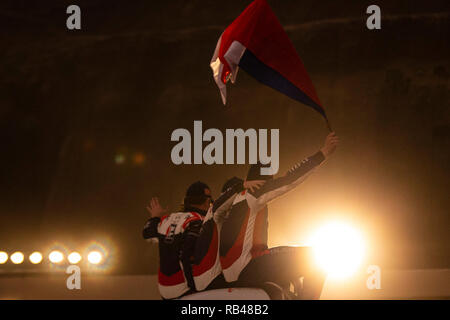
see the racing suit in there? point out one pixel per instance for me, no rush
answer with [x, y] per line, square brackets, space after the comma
[206, 267]
[175, 273]
[243, 249]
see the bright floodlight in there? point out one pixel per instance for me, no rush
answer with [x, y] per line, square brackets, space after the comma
[74, 257]
[56, 256]
[95, 257]
[3, 257]
[35, 257]
[338, 249]
[17, 257]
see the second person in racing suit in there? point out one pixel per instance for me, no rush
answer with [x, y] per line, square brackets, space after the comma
[244, 255]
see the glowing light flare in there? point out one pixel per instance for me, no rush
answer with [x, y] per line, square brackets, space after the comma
[17, 257]
[95, 257]
[99, 255]
[139, 158]
[119, 159]
[35, 257]
[3, 257]
[74, 257]
[338, 249]
[56, 256]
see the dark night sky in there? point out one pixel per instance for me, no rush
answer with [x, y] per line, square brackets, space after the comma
[71, 101]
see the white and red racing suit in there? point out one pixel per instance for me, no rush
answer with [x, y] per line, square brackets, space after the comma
[174, 274]
[206, 267]
[243, 228]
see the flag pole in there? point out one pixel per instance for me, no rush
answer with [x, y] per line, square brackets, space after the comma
[328, 125]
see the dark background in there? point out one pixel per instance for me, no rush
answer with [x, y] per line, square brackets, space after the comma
[73, 104]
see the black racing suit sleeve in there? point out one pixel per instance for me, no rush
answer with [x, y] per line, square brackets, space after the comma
[151, 228]
[296, 175]
[190, 236]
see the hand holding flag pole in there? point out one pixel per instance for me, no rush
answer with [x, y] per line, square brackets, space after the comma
[257, 43]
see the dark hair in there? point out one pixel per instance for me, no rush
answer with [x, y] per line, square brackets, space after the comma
[195, 194]
[231, 182]
[254, 173]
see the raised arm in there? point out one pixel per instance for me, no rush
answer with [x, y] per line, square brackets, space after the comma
[156, 211]
[296, 175]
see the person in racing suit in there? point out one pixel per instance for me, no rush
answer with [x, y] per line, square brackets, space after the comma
[207, 271]
[171, 230]
[244, 255]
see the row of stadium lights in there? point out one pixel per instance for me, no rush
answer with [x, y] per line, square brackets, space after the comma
[94, 257]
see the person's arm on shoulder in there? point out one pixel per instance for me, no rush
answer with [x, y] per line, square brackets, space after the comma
[225, 200]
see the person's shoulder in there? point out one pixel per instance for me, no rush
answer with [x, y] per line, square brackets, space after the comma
[184, 215]
[178, 213]
[174, 216]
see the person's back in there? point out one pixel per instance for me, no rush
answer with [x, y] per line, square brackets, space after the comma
[206, 268]
[170, 230]
[177, 233]
[243, 235]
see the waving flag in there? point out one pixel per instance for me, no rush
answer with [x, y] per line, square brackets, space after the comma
[257, 43]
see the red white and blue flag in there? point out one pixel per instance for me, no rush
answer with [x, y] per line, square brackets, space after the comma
[257, 43]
